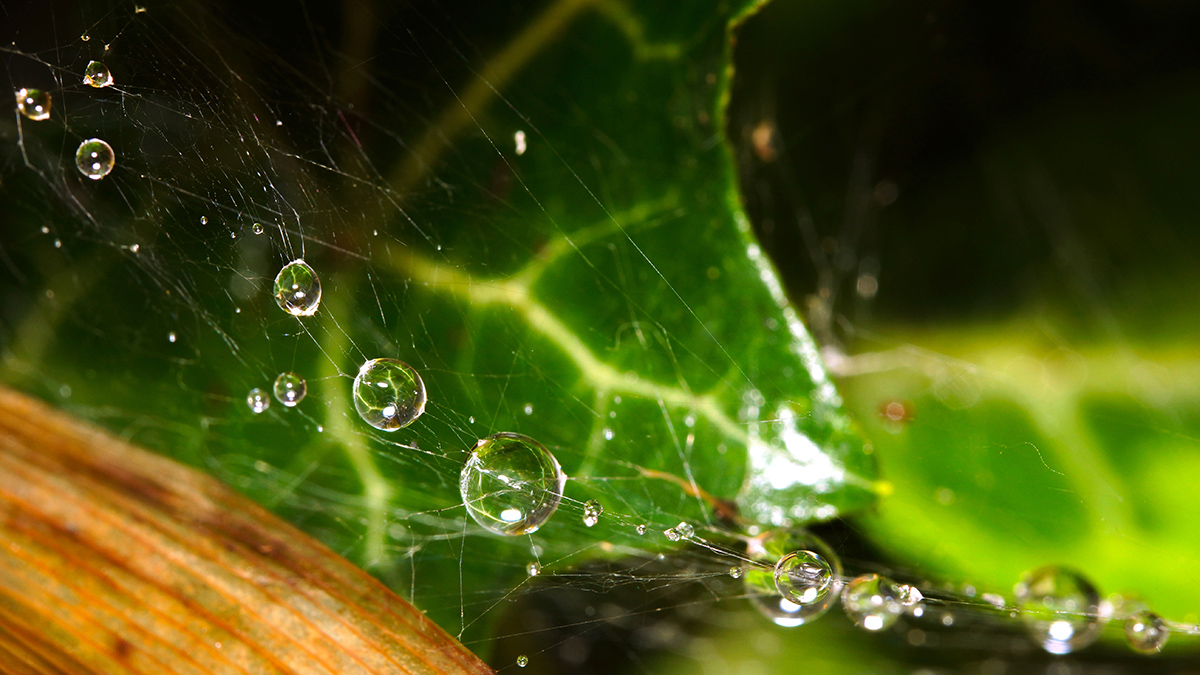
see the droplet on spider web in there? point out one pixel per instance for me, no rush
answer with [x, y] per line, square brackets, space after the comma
[34, 103]
[1146, 631]
[872, 602]
[765, 551]
[522, 661]
[97, 75]
[257, 228]
[388, 394]
[641, 529]
[804, 577]
[592, 510]
[298, 289]
[258, 400]
[511, 484]
[735, 571]
[290, 389]
[95, 158]
[1060, 608]
[533, 569]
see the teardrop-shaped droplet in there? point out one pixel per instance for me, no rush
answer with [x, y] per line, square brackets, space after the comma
[872, 602]
[298, 289]
[592, 510]
[765, 551]
[1147, 632]
[290, 389]
[511, 484]
[1060, 609]
[34, 104]
[97, 75]
[258, 400]
[685, 530]
[388, 394]
[803, 577]
[95, 158]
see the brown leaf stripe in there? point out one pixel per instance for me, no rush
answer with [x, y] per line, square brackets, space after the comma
[116, 560]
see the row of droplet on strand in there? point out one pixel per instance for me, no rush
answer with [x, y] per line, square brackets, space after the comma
[94, 158]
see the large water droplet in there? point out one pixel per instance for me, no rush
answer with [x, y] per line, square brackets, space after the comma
[97, 75]
[1060, 608]
[388, 394]
[34, 104]
[298, 289]
[1146, 632]
[803, 577]
[258, 400]
[290, 389]
[95, 158]
[872, 602]
[592, 511]
[511, 484]
[765, 550]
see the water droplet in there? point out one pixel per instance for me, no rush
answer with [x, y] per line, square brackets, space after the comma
[34, 103]
[592, 511]
[95, 158]
[1146, 632]
[803, 577]
[85, 37]
[641, 529]
[522, 661]
[258, 400]
[672, 534]
[257, 228]
[685, 531]
[872, 602]
[97, 75]
[608, 434]
[298, 289]
[388, 394]
[735, 572]
[764, 550]
[471, 420]
[1060, 608]
[290, 389]
[533, 569]
[203, 220]
[171, 336]
[528, 409]
[511, 484]
[58, 243]
[910, 596]
[519, 139]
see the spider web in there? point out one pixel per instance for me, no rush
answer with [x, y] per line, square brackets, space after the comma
[246, 140]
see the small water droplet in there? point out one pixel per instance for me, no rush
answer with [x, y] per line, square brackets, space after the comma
[592, 510]
[689, 421]
[65, 391]
[203, 220]
[872, 602]
[58, 243]
[258, 400]
[533, 569]
[608, 434]
[672, 534]
[528, 409]
[290, 389]
[803, 577]
[1060, 608]
[171, 336]
[641, 529]
[388, 394]
[735, 572]
[1146, 632]
[298, 289]
[134, 248]
[522, 661]
[685, 531]
[511, 484]
[257, 228]
[85, 37]
[519, 139]
[471, 420]
[97, 75]
[34, 104]
[95, 158]
[910, 596]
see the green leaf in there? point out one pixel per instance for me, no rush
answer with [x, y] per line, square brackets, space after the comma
[598, 290]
